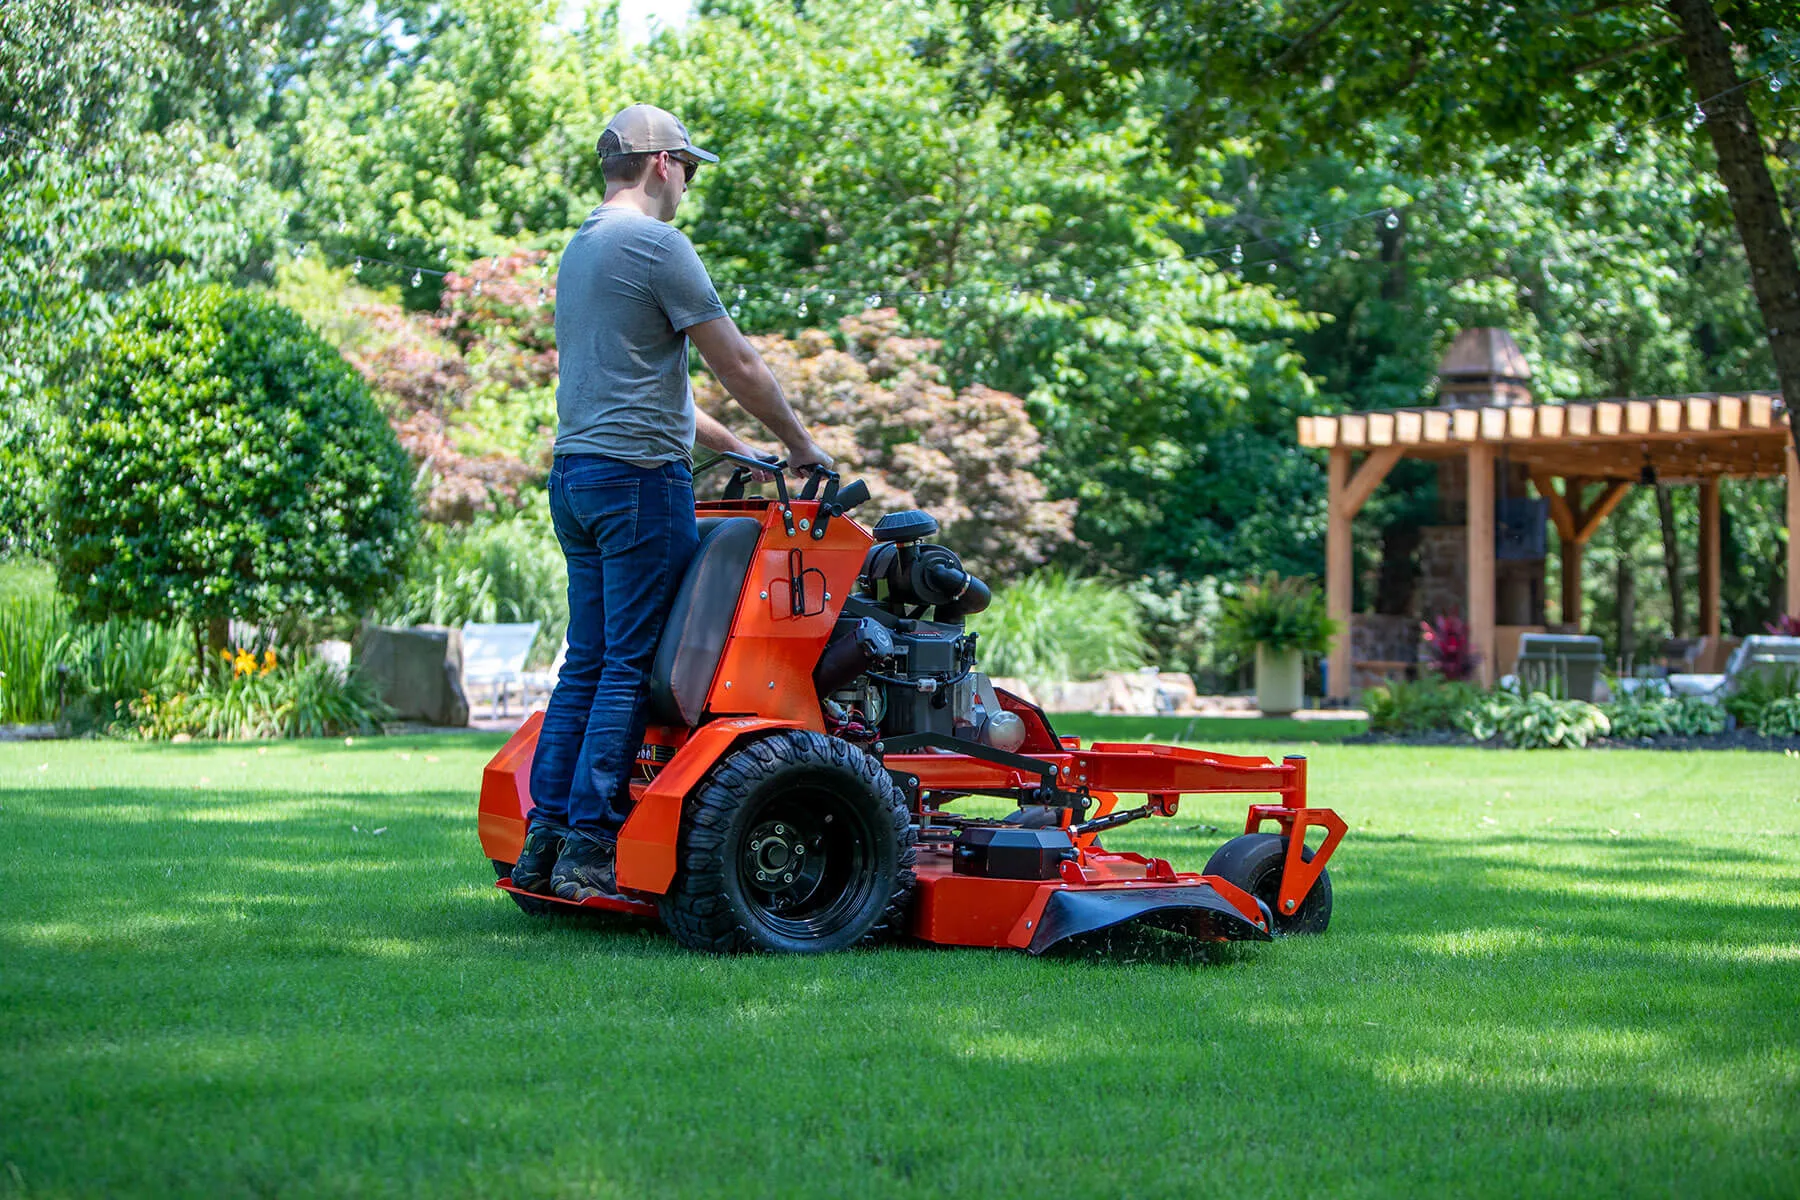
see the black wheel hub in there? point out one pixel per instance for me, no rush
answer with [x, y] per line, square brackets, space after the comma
[807, 862]
[780, 862]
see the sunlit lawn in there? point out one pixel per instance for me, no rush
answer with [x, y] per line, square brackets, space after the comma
[1550, 973]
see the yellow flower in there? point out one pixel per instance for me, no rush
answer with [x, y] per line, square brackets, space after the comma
[244, 663]
[225, 654]
[268, 662]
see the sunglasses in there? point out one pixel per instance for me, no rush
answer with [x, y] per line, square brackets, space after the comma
[688, 166]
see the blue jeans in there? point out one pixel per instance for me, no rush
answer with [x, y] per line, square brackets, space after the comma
[628, 534]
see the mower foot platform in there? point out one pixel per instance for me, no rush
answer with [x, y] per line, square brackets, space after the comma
[618, 904]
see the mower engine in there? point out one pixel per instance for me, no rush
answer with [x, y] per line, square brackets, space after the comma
[887, 671]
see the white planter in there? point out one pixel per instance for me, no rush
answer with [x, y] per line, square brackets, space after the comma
[1280, 675]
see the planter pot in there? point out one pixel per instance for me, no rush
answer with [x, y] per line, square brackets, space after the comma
[1280, 675]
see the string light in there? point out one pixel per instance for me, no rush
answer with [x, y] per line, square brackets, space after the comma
[1392, 220]
[1237, 255]
[1697, 118]
[418, 278]
[1312, 237]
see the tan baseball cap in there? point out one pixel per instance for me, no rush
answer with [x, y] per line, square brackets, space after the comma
[646, 129]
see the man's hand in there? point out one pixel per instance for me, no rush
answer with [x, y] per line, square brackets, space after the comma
[807, 454]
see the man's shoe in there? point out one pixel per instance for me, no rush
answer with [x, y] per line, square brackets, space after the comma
[585, 869]
[543, 846]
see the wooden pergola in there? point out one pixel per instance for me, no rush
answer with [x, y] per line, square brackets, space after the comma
[1582, 458]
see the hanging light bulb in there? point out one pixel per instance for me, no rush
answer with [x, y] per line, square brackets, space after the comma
[1619, 142]
[417, 278]
[737, 310]
[1697, 118]
[803, 309]
[1312, 238]
[477, 288]
[1271, 266]
[391, 240]
[1775, 82]
[944, 300]
[1237, 255]
[300, 250]
[356, 267]
[543, 294]
[787, 297]
[1392, 220]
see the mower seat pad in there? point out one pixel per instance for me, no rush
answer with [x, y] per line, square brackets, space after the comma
[692, 642]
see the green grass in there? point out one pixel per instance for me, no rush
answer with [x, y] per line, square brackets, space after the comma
[1549, 974]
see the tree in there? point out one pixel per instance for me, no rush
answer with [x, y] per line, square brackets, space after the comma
[225, 462]
[1535, 79]
[883, 410]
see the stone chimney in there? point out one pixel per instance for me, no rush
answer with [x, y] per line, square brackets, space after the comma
[1484, 366]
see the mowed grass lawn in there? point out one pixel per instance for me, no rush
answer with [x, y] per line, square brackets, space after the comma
[1549, 974]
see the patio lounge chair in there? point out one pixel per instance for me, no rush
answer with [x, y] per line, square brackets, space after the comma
[1758, 655]
[494, 656]
[535, 684]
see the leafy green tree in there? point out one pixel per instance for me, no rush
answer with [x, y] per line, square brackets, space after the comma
[226, 462]
[856, 176]
[1537, 79]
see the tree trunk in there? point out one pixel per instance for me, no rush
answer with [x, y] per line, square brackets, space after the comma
[1755, 207]
[1665, 508]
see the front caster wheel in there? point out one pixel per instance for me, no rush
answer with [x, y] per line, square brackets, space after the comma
[797, 843]
[1253, 861]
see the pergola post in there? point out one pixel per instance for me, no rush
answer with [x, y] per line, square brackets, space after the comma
[1481, 558]
[1709, 558]
[1345, 494]
[1571, 581]
[1337, 574]
[1793, 531]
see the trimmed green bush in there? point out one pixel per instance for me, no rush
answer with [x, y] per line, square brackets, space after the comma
[1051, 626]
[224, 461]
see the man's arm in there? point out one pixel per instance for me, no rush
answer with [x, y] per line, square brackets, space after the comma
[741, 369]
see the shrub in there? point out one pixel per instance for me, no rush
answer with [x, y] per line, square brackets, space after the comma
[1447, 645]
[1757, 690]
[1179, 618]
[224, 461]
[884, 410]
[1430, 703]
[1645, 714]
[304, 698]
[1281, 613]
[1052, 626]
[1780, 718]
[1536, 721]
[31, 627]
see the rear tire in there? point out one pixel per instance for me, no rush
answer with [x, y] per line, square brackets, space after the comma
[796, 843]
[1253, 861]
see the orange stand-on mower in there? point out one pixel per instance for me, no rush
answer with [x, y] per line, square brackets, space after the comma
[816, 713]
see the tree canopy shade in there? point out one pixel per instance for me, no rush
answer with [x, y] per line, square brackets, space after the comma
[1534, 79]
[225, 462]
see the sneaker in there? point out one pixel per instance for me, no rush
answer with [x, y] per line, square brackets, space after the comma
[585, 868]
[543, 846]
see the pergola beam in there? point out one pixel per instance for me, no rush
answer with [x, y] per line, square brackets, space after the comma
[1609, 500]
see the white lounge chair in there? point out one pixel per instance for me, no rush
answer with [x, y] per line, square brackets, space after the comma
[1760, 655]
[533, 684]
[494, 656]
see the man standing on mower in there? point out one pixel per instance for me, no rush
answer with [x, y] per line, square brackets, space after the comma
[631, 293]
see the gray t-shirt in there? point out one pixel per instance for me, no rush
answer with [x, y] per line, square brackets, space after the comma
[627, 286]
